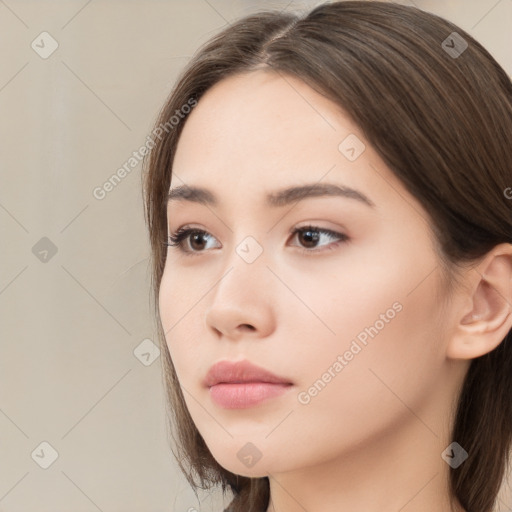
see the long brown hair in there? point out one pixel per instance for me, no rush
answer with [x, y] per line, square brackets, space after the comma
[437, 108]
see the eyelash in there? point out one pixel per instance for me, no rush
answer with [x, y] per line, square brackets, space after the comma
[176, 239]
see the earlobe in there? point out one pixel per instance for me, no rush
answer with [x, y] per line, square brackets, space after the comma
[487, 319]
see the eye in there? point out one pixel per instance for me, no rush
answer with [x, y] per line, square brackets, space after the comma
[311, 235]
[178, 238]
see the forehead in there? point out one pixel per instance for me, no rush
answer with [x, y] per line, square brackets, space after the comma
[257, 132]
[261, 121]
[263, 87]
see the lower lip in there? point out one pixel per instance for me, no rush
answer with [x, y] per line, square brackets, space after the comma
[243, 395]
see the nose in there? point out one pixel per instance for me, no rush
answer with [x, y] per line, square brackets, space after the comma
[241, 301]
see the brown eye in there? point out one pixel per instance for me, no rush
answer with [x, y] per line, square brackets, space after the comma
[309, 236]
[192, 241]
[196, 238]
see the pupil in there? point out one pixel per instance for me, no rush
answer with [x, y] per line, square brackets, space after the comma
[195, 237]
[312, 237]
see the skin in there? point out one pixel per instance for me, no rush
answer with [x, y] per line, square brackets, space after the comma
[372, 439]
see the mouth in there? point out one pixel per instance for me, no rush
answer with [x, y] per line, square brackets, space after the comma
[242, 395]
[239, 385]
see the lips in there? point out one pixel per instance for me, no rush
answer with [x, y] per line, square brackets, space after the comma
[228, 372]
[242, 385]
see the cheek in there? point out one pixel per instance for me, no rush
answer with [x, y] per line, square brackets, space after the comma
[180, 294]
[390, 356]
[384, 326]
[178, 301]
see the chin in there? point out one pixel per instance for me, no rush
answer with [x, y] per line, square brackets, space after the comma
[244, 467]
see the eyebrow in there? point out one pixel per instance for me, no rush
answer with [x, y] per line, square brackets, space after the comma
[277, 199]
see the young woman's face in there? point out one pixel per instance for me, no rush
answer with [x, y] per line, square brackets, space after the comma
[347, 311]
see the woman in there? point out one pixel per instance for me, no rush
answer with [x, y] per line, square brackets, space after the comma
[329, 212]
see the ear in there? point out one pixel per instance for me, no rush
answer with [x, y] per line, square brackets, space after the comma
[486, 317]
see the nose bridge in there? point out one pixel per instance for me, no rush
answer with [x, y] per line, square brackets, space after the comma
[241, 295]
[244, 270]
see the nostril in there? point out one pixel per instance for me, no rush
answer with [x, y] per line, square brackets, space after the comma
[247, 326]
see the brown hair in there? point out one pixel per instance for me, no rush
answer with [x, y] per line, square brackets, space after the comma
[440, 120]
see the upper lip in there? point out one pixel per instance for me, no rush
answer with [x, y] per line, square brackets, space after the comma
[239, 372]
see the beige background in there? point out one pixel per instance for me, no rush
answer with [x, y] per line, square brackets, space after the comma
[71, 321]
